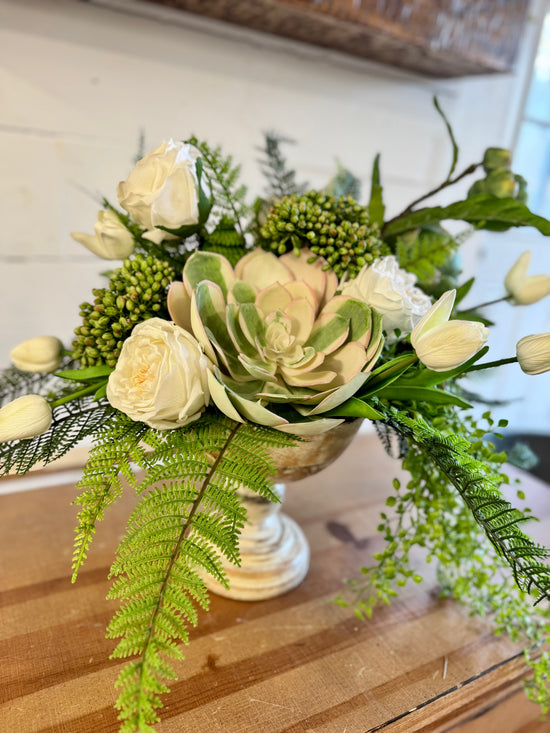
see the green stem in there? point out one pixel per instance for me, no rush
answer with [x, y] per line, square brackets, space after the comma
[486, 304]
[449, 182]
[90, 389]
[491, 364]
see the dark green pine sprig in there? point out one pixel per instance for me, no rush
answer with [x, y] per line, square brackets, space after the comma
[136, 292]
[280, 177]
[338, 229]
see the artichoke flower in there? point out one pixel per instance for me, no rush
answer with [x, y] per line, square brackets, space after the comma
[284, 345]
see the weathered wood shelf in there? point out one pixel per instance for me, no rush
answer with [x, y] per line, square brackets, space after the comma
[446, 38]
[294, 664]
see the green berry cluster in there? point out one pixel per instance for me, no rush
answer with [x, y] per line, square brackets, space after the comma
[136, 292]
[336, 228]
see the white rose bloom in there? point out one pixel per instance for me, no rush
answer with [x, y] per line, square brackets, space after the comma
[25, 417]
[110, 240]
[162, 190]
[160, 377]
[391, 291]
[38, 354]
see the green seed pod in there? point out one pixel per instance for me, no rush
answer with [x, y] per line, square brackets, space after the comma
[136, 292]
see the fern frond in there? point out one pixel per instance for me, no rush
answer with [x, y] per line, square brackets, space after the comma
[226, 240]
[117, 445]
[223, 176]
[480, 491]
[422, 254]
[72, 422]
[15, 383]
[189, 516]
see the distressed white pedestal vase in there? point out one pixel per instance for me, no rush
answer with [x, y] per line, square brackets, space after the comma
[274, 550]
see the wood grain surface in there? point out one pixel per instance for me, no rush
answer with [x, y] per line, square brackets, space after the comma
[442, 39]
[295, 664]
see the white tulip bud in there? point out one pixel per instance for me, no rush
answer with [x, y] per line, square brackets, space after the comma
[25, 417]
[526, 289]
[39, 354]
[110, 241]
[533, 353]
[441, 344]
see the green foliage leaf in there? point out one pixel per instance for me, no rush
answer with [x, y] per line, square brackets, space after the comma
[481, 210]
[425, 250]
[87, 374]
[406, 394]
[463, 290]
[428, 378]
[387, 373]
[376, 206]
[355, 407]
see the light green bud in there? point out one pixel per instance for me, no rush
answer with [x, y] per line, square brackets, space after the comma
[495, 158]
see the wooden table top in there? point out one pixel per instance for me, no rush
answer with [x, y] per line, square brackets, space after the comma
[295, 664]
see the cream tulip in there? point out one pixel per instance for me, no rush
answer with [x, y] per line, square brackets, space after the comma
[526, 289]
[110, 240]
[38, 354]
[25, 417]
[441, 344]
[533, 353]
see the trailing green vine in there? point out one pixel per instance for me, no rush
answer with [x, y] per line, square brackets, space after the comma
[453, 509]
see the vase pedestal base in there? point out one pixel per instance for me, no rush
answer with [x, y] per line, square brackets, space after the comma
[274, 553]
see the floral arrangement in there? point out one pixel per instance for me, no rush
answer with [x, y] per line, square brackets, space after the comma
[232, 327]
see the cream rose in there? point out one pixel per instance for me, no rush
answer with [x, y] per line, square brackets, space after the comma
[160, 377]
[162, 190]
[391, 291]
[110, 240]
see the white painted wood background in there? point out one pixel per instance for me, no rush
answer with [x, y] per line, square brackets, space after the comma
[79, 83]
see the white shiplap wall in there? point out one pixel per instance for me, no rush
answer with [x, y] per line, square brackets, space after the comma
[79, 82]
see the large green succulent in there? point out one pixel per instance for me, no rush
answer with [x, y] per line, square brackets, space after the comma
[284, 345]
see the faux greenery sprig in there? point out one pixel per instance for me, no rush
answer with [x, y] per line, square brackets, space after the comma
[455, 475]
